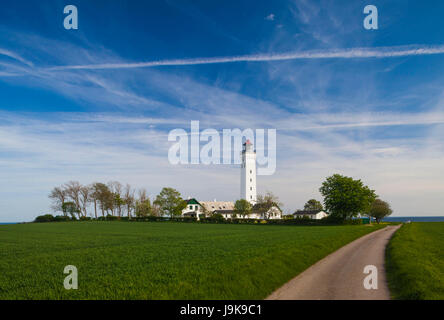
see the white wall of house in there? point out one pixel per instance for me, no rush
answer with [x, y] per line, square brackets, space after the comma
[318, 216]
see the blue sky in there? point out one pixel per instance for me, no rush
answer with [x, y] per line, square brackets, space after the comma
[380, 119]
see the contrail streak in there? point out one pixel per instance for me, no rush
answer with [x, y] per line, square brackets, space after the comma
[352, 53]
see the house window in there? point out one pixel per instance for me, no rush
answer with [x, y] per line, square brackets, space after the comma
[251, 188]
[195, 207]
[251, 180]
[251, 171]
[251, 197]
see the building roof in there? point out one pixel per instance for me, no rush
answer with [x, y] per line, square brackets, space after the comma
[217, 205]
[307, 212]
[224, 211]
[193, 201]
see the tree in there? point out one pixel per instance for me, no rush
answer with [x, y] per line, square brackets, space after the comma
[155, 210]
[128, 197]
[118, 203]
[94, 194]
[379, 210]
[345, 197]
[73, 189]
[143, 208]
[58, 196]
[265, 202]
[242, 207]
[313, 204]
[116, 189]
[103, 196]
[71, 209]
[85, 199]
[170, 202]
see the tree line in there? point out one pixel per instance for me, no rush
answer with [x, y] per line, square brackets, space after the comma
[113, 199]
[79, 201]
[344, 198]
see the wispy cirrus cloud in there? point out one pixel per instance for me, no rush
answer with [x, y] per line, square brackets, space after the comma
[15, 56]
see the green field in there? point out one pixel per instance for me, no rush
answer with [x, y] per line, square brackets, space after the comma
[415, 262]
[121, 260]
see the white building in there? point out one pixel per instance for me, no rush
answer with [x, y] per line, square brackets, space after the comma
[312, 214]
[196, 209]
[248, 173]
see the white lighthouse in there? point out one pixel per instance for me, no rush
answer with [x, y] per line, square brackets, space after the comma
[248, 173]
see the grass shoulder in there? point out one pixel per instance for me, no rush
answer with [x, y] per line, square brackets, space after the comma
[415, 262]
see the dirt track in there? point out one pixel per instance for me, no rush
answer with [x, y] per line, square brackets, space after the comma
[340, 276]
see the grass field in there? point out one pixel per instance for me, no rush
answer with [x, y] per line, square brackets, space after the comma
[415, 262]
[118, 260]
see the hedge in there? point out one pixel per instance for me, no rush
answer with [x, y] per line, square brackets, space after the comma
[214, 219]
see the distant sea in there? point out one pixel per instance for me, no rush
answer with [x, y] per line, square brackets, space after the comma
[8, 223]
[414, 219]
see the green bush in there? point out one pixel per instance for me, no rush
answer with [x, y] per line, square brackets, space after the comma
[62, 219]
[85, 218]
[111, 218]
[45, 218]
[183, 219]
[151, 219]
[215, 218]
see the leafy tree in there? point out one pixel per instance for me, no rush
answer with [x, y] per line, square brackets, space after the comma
[143, 209]
[265, 202]
[379, 210]
[170, 202]
[71, 209]
[118, 203]
[242, 207]
[313, 204]
[345, 197]
[103, 195]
